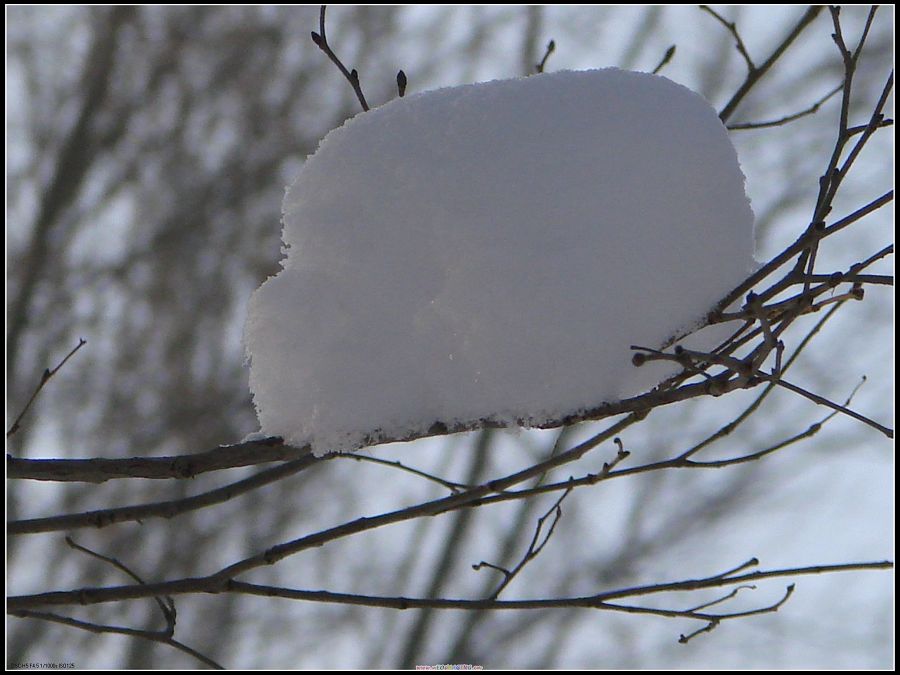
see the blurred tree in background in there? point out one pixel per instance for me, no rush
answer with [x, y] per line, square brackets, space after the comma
[147, 153]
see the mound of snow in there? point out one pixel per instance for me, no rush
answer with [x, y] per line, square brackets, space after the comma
[492, 251]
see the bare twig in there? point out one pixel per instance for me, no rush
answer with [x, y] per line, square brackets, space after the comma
[680, 462]
[551, 46]
[670, 52]
[166, 606]
[861, 128]
[750, 367]
[821, 400]
[153, 636]
[802, 242]
[754, 406]
[724, 598]
[443, 505]
[831, 179]
[683, 639]
[732, 28]
[217, 583]
[534, 548]
[352, 76]
[755, 73]
[45, 377]
[814, 108]
[454, 487]
[165, 603]
[683, 461]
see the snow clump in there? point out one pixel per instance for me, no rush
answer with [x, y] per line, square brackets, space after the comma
[491, 251]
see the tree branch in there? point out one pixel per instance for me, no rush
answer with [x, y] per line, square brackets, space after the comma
[45, 377]
[352, 75]
[218, 584]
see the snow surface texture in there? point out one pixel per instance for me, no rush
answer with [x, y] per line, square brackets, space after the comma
[491, 251]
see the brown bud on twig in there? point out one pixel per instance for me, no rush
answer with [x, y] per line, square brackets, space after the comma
[670, 52]
[539, 67]
[316, 38]
[715, 387]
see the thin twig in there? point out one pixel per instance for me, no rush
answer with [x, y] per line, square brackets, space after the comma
[724, 598]
[45, 377]
[551, 46]
[821, 400]
[757, 402]
[352, 76]
[832, 178]
[434, 507]
[165, 603]
[534, 548]
[684, 639]
[680, 462]
[217, 583]
[853, 131]
[167, 606]
[802, 242]
[454, 487]
[670, 52]
[732, 28]
[814, 108]
[153, 636]
[755, 73]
